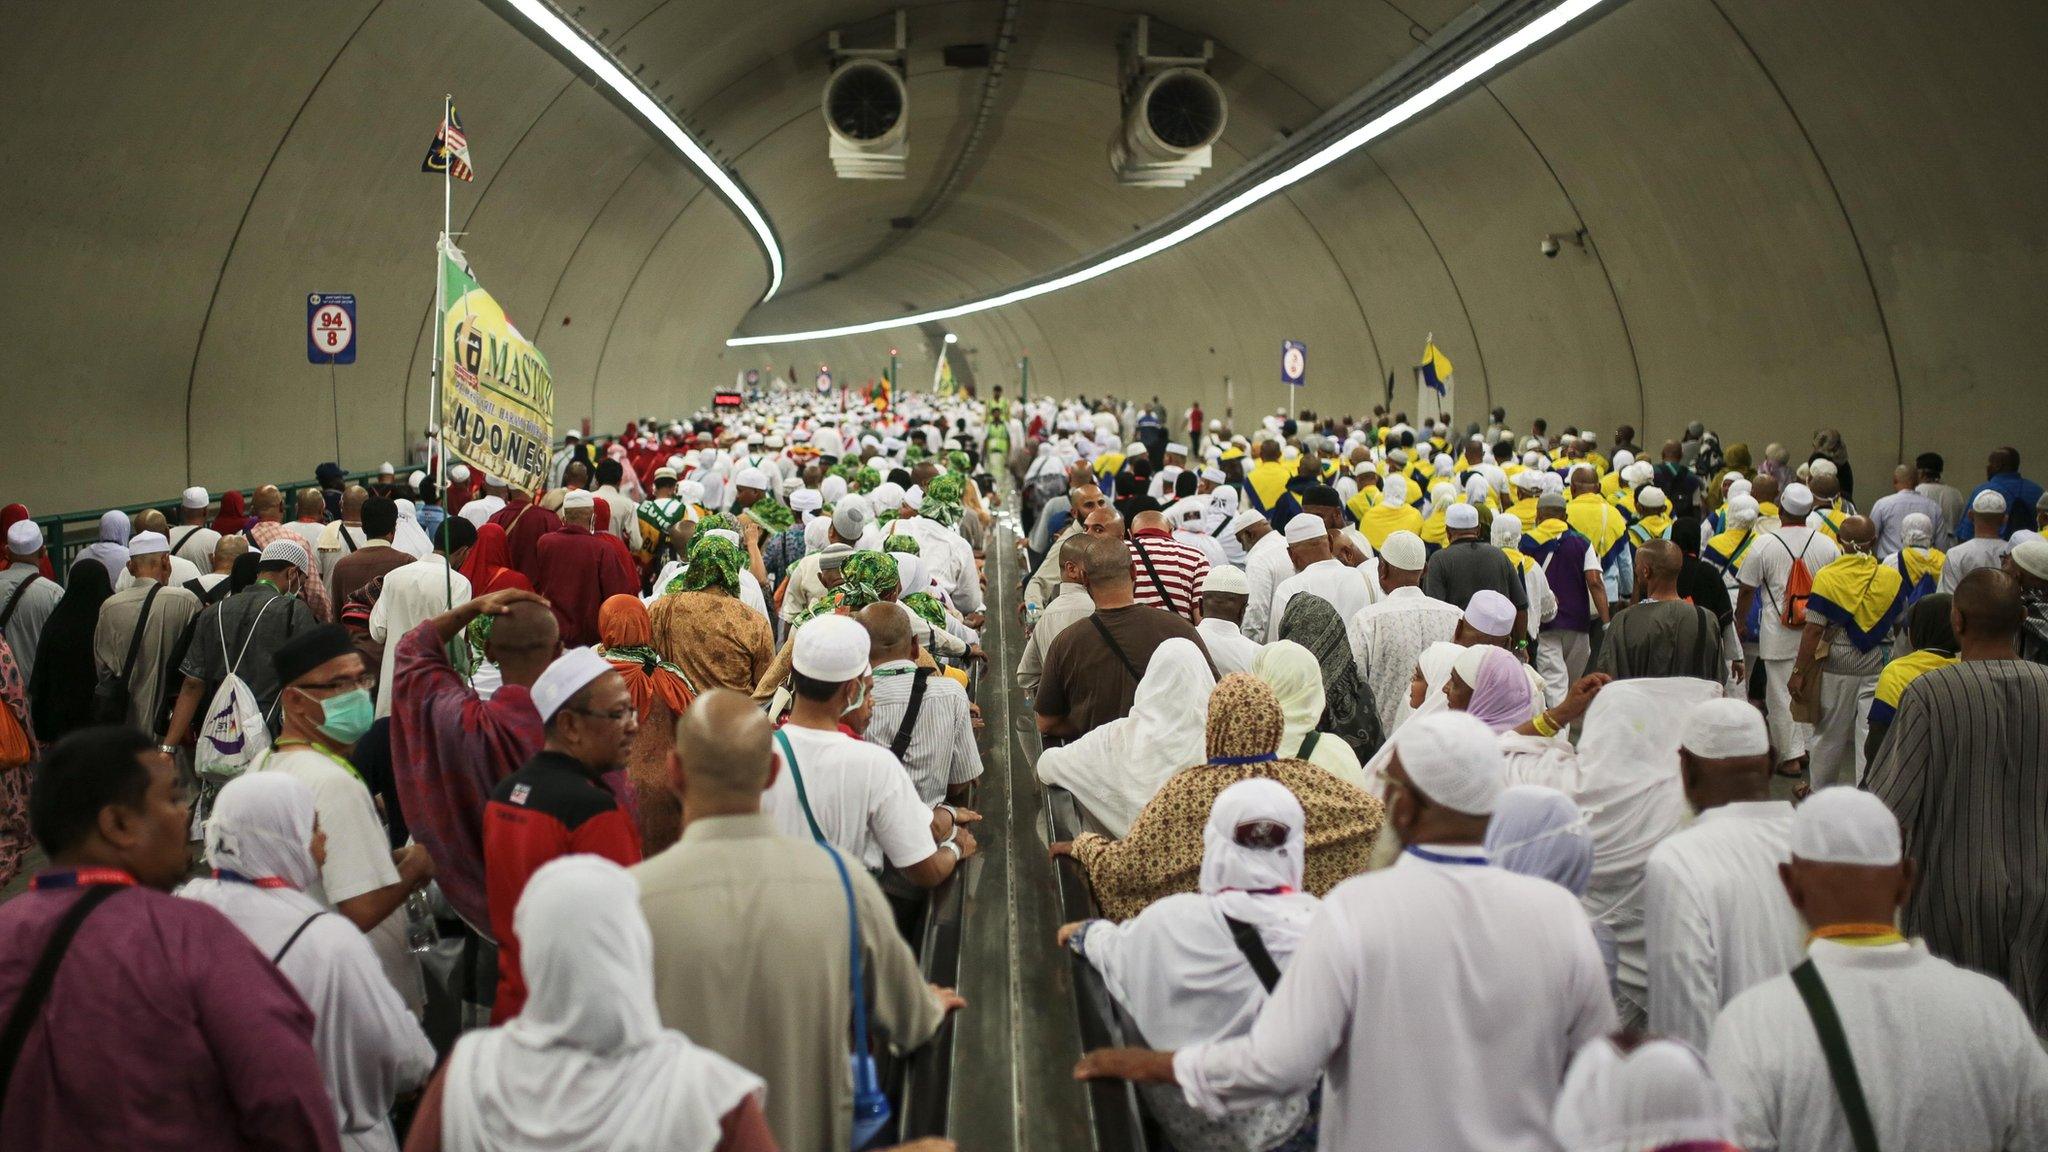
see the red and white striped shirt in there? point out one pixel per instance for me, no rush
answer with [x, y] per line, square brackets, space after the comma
[1179, 570]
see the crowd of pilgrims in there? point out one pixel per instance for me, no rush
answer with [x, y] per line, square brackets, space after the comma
[1432, 786]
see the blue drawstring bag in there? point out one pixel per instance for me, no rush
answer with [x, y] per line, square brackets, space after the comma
[871, 1111]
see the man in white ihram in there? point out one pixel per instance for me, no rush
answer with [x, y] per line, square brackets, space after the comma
[1943, 1057]
[1441, 998]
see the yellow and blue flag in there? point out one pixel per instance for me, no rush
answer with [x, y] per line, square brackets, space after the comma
[1435, 369]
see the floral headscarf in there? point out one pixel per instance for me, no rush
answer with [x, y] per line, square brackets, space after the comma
[772, 517]
[866, 480]
[958, 461]
[906, 545]
[1244, 722]
[868, 576]
[942, 499]
[714, 561]
[702, 533]
[927, 607]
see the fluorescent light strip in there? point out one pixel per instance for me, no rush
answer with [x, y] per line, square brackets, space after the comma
[572, 40]
[1477, 67]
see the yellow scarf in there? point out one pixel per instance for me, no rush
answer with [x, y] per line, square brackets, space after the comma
[1365, 501]
[1433, 529]
[1725, 549]
[1653, 527]
[1524, 510]
[1829, 521]
[1378, 523]
[1269, 480]
[1597, 521]
[1521, 562]
[1892, 682]
[1859, 594]
[1107, 463]
[1923, 568]
[1544, 531]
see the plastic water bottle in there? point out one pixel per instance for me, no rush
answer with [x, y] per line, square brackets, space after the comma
[1031, 611]
[421, 933]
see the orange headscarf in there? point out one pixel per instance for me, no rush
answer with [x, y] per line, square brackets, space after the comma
[626, 637]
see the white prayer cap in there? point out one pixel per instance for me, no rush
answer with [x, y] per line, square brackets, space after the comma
[1226, 578]
[148, 544]
[1845, 825]
[492, 480]
[913, 497]
[1188, 512]
[1306, 526]
[806, 500]
[1176, 450]
[1214, 475]
[773, 441]
[1507, 530]
[2031, 556]
[459, 473]
[1551, 500]
[1395, 487]
[1724, 729]
[677, 463]
[290, 551]
[1365, 468]
[828, 442]
[1623, 458]
[1454, 759]
[1651, 498]
[1822, 467]
[691, 491]
[851, 517]
[1797, 500]
[1244, 520]
[25, 537]
[887, 495]
[1532, 460]
[1529, 480]
[1740, 511]
[1658, 1095]
[1290, 452]
[572, 434]
[195, 498]
[831, 648]
[1640, 472]
[385, 469]
[751, 478]
[1441, 464]
[576, 498]
[1404, 550]
[568, 675]
[1989, 502]
[1460, 517]
[1739, 485]
[1490, 612]
[416, 479]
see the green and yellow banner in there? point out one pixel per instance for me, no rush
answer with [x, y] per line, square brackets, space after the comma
[497, 392]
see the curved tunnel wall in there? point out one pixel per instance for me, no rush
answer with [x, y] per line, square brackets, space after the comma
[1799, 215]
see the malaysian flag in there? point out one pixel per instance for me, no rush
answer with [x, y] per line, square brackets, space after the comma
[450, 150]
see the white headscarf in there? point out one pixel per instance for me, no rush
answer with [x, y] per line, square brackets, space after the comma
[1116, 768]
[1659, 1095]
[1436, 662]
[111, 549]
[1540, 832]
[1296, 678]
[1047, 461]
[833, 489]
[1175, 966]
[409, 537]
[586, 1064]
[714, 492]
[262, 826]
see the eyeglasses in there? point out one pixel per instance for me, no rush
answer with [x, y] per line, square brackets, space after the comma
[614, 716]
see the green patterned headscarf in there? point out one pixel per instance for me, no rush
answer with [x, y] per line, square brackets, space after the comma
[957, 461]
[942, 498]
[928, 608]
[866, 480]
[829, 602]
[869, 576]
[705, 524]
[772, 517]
[907, 545]
[714, 562]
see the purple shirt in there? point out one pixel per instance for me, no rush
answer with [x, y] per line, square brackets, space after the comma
[1565, 570]
[165, 1029]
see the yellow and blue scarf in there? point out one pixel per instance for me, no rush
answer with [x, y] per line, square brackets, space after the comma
[1921, 568]
[1655, 527]
[1860, 595]
[1892, 682]
[1599, 522]
[1383, 520]
[1724, 549]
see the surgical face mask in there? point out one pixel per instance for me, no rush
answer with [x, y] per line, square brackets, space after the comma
[859, 698]
[345, 718]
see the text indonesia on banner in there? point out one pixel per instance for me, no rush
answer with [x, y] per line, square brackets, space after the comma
[497, 393]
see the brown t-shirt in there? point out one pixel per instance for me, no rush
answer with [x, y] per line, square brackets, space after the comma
[361, 566]
[1085, 681]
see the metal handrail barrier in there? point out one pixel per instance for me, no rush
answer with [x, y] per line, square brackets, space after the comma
[65, 544]
[1121, 1120]
[925, 1106]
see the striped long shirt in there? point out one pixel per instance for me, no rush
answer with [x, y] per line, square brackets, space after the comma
[1179, 570]
[1965, 769]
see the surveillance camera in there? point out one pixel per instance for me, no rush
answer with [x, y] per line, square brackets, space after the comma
[1550, 247]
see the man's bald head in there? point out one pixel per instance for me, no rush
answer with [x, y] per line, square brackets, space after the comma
[1104, 521]
[1826, 485]
[889, 636]
[151, 520]
[724, 756]
[311, 505]
[1658, 563]
[1857, 534]
[1150, 520]
[523, 641]
[1672, 451]
[352, 501]
[267, 500]
[1584, 481]
[1104, 560]
[1079, 474]
[1905, 477]
[1987, 607]
[1269, 450]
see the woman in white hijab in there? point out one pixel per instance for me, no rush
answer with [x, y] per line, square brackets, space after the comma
[1114, 769]
[409, 537]
[1296, 677]
[265, 848]
[1656, 1096]
[586, 1065]
[1177, 969]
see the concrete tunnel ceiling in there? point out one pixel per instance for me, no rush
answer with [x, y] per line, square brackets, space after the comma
[1797, 215]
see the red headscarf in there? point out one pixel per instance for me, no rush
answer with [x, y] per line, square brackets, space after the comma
[489, 566]
[627, 634]
[14, 514]
[232, 519]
